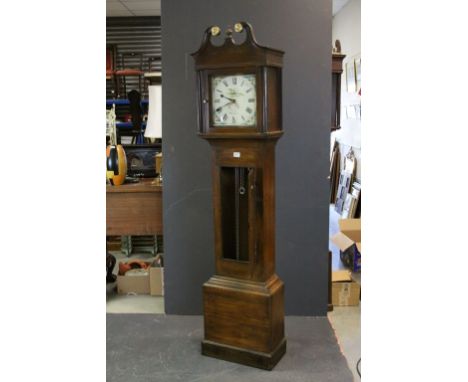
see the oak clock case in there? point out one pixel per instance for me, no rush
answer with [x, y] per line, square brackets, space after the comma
[239, 105]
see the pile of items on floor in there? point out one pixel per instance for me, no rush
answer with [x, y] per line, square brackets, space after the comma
[137, 276]
[345, 290]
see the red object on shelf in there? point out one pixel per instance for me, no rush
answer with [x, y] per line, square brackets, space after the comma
[129, 72]
[110, 61]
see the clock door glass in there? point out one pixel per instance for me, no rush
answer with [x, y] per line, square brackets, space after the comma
[235, 186]
[234, 100]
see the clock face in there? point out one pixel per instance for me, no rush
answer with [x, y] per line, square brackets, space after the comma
[234, 100]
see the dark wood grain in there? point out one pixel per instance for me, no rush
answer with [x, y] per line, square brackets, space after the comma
[244, 315]
[134, 209]
[244, 300]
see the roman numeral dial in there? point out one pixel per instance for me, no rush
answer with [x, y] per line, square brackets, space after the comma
[234, 100]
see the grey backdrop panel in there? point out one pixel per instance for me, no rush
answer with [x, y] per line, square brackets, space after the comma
[302, 28]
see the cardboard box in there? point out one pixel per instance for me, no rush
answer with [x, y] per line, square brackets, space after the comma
[139, 284]
[349, 242]
[345, 291]
[157, 281]
[150, 281]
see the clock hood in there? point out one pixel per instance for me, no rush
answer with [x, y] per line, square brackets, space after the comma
[231, 55]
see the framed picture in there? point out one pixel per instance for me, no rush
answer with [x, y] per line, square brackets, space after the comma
[357, 64]
[349, 207]
[350, 77]
[357, 108]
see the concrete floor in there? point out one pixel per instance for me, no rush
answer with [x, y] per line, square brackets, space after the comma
[132, 303]
[346, 321]
[135, 304]
[151, 347]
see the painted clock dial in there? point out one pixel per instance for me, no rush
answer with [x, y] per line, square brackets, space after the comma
[234, 100]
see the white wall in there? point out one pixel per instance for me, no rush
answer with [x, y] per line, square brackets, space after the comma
[347, 28]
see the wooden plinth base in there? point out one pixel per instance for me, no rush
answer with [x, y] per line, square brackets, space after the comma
[260, 360]
[244, 321]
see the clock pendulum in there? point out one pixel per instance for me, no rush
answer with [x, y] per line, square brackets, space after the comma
[239, 104]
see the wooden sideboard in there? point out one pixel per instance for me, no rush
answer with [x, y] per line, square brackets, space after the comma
[134, 209]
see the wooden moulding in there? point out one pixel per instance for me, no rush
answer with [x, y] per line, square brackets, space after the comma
[266, 361]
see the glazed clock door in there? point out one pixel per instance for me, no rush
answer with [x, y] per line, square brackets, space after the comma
[237, 213]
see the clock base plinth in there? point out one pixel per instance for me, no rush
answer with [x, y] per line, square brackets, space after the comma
[266, 361]
[244, 321]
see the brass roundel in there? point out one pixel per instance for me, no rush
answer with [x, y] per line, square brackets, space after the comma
[238, 27]
[215, 30]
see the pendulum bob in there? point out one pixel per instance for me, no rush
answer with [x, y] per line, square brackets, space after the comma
[116, 163]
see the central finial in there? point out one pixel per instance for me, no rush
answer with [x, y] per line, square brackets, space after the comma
[215, 30]
[238, 27]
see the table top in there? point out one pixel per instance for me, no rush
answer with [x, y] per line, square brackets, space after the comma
[144, 185]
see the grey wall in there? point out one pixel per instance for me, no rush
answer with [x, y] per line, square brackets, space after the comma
[302, 28]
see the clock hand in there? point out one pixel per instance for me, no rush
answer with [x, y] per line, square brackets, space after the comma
[219, 108]
[230, 99]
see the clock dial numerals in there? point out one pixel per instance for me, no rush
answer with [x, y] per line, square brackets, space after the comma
[234, 100]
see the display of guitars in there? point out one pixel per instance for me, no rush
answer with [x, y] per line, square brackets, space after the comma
[116, 160]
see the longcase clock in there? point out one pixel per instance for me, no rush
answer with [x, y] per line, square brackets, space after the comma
[239, 104]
